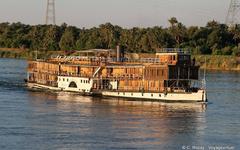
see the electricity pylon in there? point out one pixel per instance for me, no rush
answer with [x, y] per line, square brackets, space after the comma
[233, 16]
[50, 14]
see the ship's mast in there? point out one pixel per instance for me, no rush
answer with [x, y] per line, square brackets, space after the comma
[204, 75]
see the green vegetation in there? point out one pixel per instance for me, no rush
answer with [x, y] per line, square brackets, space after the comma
[214, 38]
[21, 41]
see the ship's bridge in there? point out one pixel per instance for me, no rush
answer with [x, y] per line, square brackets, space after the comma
[174, 56]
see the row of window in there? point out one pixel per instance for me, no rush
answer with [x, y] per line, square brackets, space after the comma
[132, 71]
[142, 94]
[63, 79]
[156, 72]
[82, 81]
[85, 81]
[149, 84]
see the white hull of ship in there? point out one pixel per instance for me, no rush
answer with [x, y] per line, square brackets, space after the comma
[199, 96]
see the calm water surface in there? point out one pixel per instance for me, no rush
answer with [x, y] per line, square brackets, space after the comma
[41, 120]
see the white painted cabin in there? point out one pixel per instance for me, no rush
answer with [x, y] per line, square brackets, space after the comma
[75, 84]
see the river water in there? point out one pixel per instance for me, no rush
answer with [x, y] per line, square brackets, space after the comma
[44, 120]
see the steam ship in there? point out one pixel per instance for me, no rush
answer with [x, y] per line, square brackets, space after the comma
[172, 75]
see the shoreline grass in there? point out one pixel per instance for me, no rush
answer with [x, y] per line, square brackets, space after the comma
[214, 62]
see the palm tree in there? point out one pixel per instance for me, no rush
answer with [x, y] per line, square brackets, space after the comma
[173, 21]
[177, 29]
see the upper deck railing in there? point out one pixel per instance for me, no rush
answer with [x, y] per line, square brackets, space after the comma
[174, 50]
[103, 59]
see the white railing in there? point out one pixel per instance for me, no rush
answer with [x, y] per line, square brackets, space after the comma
[103, 59]
[173, 50]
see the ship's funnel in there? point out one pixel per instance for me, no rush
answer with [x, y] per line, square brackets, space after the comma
[120, 54]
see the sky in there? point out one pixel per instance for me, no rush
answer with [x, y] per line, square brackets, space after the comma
[125, 13]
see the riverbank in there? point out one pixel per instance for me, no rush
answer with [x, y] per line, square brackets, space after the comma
[18, 54]
[26, 54]
[214, 62]
[219, 62]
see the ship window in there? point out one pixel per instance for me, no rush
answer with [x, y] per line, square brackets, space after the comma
[132, 94]
[67, 80]
[152, 95]
[159, 95]
[63, 79]
[73, 85]
[174, 57]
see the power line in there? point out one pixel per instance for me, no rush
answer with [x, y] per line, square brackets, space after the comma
[50, 14]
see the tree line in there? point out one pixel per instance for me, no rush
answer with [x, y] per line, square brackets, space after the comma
[214, 38]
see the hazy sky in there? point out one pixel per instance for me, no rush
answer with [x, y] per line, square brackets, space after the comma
[126, 13]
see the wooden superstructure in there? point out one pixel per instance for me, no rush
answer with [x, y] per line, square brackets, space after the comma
[171, 70]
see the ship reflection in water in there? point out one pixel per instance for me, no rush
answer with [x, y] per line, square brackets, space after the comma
[99, 123]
